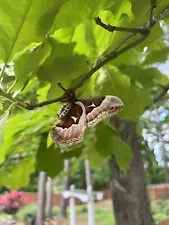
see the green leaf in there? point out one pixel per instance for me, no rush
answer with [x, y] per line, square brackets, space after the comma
[160, 55]
[121, 8]
[156, 33]
[82, 10]
[112, 82]
[62, 66]
[108, 143]
[30, 122]
[140, 10]
[1, 106]
[3, 121]
[28, 22]
[89, 148]
[28, 63]
[76, 152]
[19, 175]
[144, 76]
[49, 159]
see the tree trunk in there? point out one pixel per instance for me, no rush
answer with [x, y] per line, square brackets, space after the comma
[49, 195]
[87, 173]
[162, 148]
[130, 199]
[40, 217]
[63, 205]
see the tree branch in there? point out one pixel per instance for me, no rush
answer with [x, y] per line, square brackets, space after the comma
[115, 53]
[119, 50]
[161, 94]
[13, 100]
[153, 6]
[111, 28]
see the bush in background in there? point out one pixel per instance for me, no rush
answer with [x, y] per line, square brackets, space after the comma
[160, 210]
[12, 201]
[28, 212]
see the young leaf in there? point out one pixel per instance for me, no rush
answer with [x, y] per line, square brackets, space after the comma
[28, 63]
[3, 120]
[109, 143]
[23, 22]
[49, 159]
[134, 99]
[19, 175]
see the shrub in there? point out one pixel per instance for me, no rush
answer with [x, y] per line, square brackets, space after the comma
[5, 217]
[28, 212]
[160, 210]
[81, 209]
[159, 217]
[12, 201]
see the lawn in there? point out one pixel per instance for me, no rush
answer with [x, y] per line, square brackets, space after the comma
[103, 213]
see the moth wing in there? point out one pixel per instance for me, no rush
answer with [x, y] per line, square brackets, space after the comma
[71, 129]
[99, 108]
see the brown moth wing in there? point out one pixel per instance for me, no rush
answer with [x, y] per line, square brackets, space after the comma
[100, 108]
[71, 129]
[64, 110]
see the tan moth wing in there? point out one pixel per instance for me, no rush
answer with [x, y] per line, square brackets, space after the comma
[99, 108]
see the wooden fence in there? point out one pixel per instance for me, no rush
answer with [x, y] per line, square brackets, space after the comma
[164, 222]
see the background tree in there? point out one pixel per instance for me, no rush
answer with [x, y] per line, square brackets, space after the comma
[40, 217]
[63, 202]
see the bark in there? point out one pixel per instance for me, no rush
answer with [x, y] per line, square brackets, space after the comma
[88, 173]
[129, 194]
[49, 195]
[162, 148]
[63, 204]
[40, 217]
[165, 159]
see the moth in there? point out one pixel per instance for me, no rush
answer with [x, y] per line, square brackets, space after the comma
[78, 114]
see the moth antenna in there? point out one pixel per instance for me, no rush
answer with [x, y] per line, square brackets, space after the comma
[60, 85]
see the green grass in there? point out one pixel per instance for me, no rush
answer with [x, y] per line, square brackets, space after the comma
[104, 216]
[5, 217]
[81, 209]
[160, 211]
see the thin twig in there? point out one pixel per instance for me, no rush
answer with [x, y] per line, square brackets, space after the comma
[124, 41]
[3, 70]
[160, 85]
[32, 106]
[161, 94]
[164, 14]
[13, 100]
[108, 58]
[111, 28]
[61, 87]
[153, 6]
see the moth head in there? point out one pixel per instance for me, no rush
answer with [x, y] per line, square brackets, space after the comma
[114, 104]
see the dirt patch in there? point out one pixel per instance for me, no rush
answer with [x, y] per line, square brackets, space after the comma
[105, 204]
